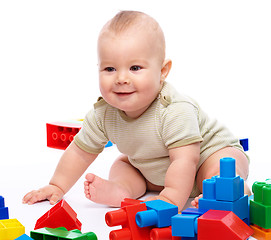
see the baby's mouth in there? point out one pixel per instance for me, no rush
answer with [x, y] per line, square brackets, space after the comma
[124, 94]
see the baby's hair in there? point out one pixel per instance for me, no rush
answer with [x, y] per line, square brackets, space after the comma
[125, 19]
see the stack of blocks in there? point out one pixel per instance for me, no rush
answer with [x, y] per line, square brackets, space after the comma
[223, 214]
[226, 192]
[223, 210]
[9, 228]
[260, 210]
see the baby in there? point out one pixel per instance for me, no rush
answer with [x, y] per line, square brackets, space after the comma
[168, 144]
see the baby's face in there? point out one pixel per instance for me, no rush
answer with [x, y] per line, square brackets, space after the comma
[129, 70]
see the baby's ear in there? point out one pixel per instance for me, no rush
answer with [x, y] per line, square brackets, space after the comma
[165, 69]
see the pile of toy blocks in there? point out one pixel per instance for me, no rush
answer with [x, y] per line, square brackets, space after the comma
[59, 223]
[9, 228]
[223, 214]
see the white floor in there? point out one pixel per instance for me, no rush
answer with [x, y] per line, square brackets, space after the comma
[18, 179]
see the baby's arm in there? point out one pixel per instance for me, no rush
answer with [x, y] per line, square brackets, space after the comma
[70, 168]
[181, 174]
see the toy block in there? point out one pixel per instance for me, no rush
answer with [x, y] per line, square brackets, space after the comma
[244, 142]
[197, 211]
[125, 217]
[24, 237]
[130, 201]
[162, 234]
[239, 207]
[2, 202]
[11, 229]
[225, 192]
[227, 167]
[261, 233]
[184, 225]
[222, 225]
[159, 214]
[260, 207]
[3, 210]
[229, 189]
[61, 215]
[61, 234]
[228, 186]
[61, 134]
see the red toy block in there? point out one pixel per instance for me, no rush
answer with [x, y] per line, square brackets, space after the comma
[61, 134]
[261, 233]
[222, 225]
[130, 201]
[61, 215]
[125, 217]
[162, 234]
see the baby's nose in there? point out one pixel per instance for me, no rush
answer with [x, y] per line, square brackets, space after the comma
[122, 78]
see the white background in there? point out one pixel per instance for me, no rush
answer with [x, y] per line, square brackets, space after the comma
[221, 56]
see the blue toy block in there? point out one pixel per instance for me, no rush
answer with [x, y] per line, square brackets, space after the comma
[3, 210]
[229, 189]
[227, 167]
[184, 225]
[225, 192]
[228, 186]
[195, 211]
[24, 237]
[158, 214]
[109, 144]
[209, 188]
[239, 207]
[2, 202]
[244, 143]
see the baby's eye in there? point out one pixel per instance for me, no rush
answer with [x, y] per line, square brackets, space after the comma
[135, 68]
[110, 69]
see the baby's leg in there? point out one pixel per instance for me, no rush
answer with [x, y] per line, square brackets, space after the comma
[125, 181]
[211, 167]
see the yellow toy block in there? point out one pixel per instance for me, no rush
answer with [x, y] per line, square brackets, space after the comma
[11, 229]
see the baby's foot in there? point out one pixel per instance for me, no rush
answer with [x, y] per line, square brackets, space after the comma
[104, 191]
[195, 202]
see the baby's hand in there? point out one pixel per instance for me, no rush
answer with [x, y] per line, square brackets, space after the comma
[49, 192]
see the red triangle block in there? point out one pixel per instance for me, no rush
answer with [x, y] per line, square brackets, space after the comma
[222, 225]
[61, 215]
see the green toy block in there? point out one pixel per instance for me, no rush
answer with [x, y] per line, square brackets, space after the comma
[260, 207]
[61, 234]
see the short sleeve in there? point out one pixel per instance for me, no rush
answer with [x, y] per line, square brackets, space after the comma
[180, 125]
[91, 137]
